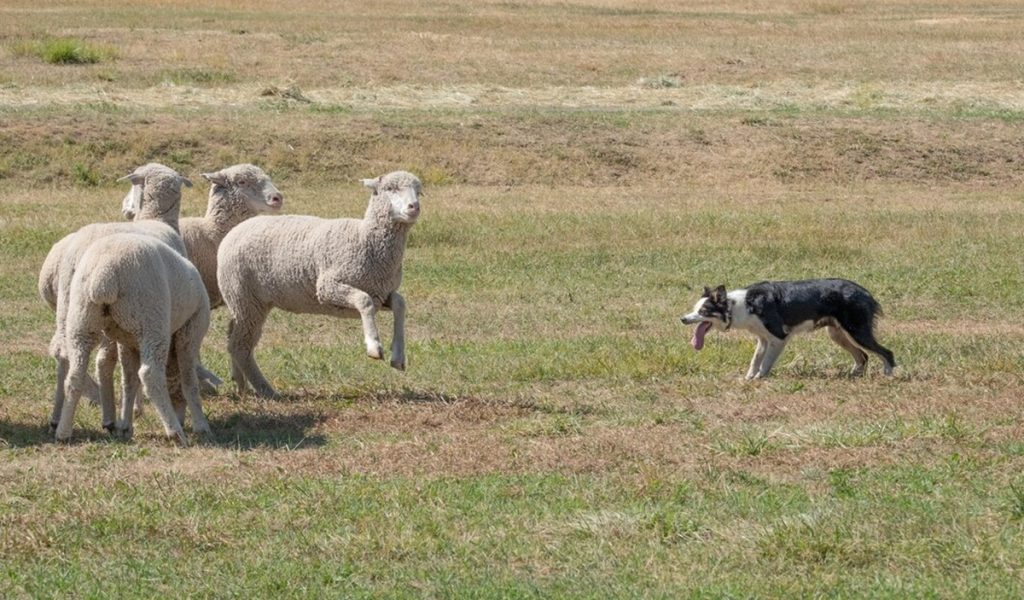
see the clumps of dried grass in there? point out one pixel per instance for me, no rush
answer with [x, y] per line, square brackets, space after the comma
[291, 92]
[660, 82]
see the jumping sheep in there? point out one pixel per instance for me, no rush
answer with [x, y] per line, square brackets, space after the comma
[343, 267]
[156, 189]
[150, 299]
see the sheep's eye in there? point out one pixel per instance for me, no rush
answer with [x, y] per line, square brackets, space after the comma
[241, 181]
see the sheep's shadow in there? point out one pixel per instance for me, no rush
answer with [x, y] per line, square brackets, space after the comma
[24, 435]
[373, 396]
[238, 430]
[241, 430]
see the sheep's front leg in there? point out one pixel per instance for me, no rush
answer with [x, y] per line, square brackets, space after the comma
[334, 293]
[397, 304]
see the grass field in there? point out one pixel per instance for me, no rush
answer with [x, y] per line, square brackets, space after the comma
[589, 166]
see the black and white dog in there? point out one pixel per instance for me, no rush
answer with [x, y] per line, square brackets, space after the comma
[775, 310]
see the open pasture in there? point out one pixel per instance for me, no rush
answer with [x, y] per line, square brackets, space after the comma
[589, 166]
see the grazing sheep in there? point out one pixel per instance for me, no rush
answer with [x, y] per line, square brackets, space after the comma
[342, 267]
[150, 299]
[156, 190]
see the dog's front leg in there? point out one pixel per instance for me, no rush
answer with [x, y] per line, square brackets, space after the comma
[771, 354]
[755, 361]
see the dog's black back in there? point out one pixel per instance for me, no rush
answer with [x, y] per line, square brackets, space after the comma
[782, 305]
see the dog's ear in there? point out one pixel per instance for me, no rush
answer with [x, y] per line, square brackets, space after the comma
[720, 294]
[707, 292]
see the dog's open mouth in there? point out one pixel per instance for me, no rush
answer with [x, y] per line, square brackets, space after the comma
[698, 334]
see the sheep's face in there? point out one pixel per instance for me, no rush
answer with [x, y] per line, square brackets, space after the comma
[132, 201]
[154, 175]
[251, 185]
[402, 191]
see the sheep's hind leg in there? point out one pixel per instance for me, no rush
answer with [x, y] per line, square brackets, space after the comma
[186, 342]
[243, 335]
[174, 385]
[129, 391]
[397, 304]
[58, 392]
[153, 374]
[106, 362]
[77, 383]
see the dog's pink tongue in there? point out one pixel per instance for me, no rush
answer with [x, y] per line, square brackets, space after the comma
[698, 335]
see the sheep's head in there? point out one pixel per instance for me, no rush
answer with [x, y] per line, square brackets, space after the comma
[249, 184]
[402, 191]
[152, 182]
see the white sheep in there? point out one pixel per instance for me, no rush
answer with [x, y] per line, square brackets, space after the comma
[342, 267]
[150, 299]
[237, 193]
[156, 191]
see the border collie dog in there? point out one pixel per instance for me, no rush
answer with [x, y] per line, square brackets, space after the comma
[775, 310]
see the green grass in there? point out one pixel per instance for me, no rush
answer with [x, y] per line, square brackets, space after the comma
[65, 51]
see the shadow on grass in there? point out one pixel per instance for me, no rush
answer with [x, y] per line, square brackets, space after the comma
[247, 431]
[21, 435]
[385, 395]
[24, 435]
[239, 430]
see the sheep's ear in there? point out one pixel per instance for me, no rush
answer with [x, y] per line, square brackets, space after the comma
[135, 177]
[185, 181]
[372, 183]
[218, 178]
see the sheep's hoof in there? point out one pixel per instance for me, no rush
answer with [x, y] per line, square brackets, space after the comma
[178, 437]
[375, 350]
[398, 364]
[124, 433]
[264, 391]
[110, 427]
[64, 438]
[207, 388]
[53, 427]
